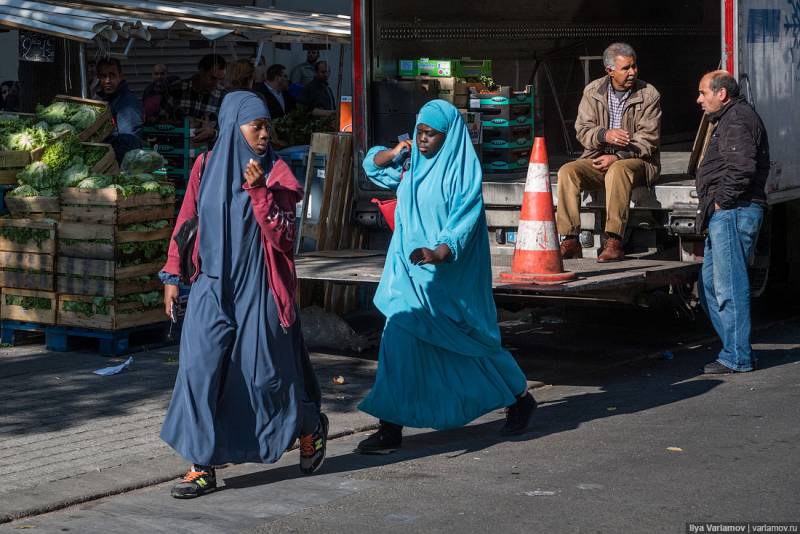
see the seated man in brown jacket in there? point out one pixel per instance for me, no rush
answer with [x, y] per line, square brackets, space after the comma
[618, 124]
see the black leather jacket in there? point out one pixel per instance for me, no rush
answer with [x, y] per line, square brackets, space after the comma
[736, 163]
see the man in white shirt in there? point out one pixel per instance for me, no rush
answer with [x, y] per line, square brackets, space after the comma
[305, 72]
[274, 91]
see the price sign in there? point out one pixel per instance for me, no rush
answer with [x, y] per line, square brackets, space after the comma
[36, 47]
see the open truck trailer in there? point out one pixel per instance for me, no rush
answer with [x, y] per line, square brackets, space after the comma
[555, 47]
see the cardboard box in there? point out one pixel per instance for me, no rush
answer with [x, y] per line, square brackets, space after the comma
[474, 125]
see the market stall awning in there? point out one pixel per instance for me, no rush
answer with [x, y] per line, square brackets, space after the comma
[111, 20]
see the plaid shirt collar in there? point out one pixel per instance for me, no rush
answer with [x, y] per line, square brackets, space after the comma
[616, 106]
[200, 106]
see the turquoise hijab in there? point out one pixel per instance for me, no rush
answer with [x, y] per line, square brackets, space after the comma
[440, 201]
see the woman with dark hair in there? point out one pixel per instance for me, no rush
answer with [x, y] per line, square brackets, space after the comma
[441, 363]
[245, 388]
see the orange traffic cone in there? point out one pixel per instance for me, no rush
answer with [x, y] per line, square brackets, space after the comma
[537, 258]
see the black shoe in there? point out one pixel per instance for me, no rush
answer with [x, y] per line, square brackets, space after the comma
[716, 368]
[518, 415]
[312, 447]
[198, 481]
[387, 439]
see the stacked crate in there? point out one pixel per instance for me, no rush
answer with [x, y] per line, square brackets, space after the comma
[27, 250]
[27, 264]
[173, 142]
[110, 249]
[507, 120]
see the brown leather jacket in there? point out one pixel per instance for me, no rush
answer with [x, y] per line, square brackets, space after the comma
[641, 118]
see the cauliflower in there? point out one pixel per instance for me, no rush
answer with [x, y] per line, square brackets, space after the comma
[22, 141]
[55, 113]
[75, 173]
[151, 186]
[36, 174]
[95, 181]
[84, 117]
[141, 161]
[63, 127]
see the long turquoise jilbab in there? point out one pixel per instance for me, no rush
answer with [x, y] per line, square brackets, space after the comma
[441, 363]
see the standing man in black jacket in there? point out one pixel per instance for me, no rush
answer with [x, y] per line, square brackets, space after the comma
[731, 179]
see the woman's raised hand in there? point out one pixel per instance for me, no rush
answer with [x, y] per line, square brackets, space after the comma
[253, 172]
[405, 143]
[426, 256]
[384, 158]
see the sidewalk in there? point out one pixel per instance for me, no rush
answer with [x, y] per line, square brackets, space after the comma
[68, 435]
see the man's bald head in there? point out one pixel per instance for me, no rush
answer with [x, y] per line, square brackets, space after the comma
[716, 90]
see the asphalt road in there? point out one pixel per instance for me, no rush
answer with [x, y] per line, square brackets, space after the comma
[641, 447]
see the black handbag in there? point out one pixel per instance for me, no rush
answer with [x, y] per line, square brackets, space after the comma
[185, 238]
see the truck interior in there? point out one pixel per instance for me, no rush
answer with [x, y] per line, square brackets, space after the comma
[556, 48]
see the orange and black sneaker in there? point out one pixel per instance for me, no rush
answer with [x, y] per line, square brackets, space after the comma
[199, 480]
[312, 447]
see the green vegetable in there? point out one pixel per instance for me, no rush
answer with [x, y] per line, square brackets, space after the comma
[141, 161]
[97, 306]
[151, 299]
[36, 175]
[296, 127]
[24, 191]
[92, 182]
[76, 173]
[55, 113]
[59, 155]
[84, 117]
[94, 154]
[144, 226]
[23, 235]
[63, 127]
[29, 303]
[81, 116]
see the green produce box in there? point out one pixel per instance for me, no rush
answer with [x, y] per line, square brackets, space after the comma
[444, 68]
[472, 68]
[504, 96]
[499, 122]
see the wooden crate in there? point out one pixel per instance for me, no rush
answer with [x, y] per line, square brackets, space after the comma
[108, 206]
[34, 207]
[111, 236]
[11, 163]
[117, 316]
[102, 119]
[82, 276]
[48, 246]
[26, 270]
[16, 312]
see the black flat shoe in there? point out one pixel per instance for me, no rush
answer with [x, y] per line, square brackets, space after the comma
[716, 368]
[518, 415]
[387, 439]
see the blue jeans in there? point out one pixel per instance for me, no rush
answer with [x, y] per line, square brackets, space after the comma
[724, 286]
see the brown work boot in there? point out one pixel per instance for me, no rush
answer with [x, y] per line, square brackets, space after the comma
[571, 248]
[612, 251]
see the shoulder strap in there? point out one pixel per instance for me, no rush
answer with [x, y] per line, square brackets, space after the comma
[203, 165]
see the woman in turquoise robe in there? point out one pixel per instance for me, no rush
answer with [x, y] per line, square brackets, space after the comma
[441, 363]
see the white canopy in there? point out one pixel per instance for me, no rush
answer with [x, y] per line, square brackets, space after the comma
[110, 20]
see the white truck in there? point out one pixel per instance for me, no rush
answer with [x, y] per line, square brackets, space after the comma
[556, 48]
